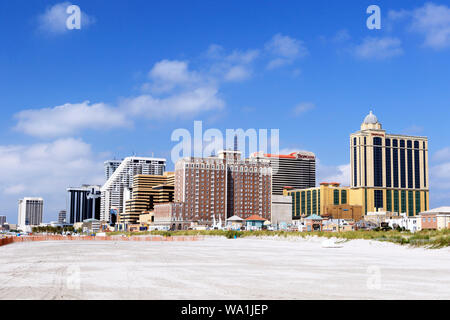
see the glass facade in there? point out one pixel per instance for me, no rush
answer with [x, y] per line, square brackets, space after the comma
[389, 200]
[410, 203]
[402, 165]
[403, 201]
[417, 202]
[388, 162]
[336, 197]
[378, 199]
[343, 196]
[410, 165]
[395, 162]
[377, 162]
[396, 201]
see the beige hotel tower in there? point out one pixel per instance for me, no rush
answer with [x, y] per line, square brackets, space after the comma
[389, 172]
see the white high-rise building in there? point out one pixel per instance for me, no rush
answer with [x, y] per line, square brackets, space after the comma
[110, 167]
[118, 187]
[30, 211]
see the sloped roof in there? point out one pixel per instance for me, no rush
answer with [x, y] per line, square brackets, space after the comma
[235, 218]
[314, 217]
[255, 218]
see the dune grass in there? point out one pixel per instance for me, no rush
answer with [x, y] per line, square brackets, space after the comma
[426, 238]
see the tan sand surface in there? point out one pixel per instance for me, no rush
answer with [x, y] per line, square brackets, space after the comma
[219, 268]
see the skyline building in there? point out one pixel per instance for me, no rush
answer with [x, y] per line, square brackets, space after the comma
[2, 220]
[83, 203]
[296, 170]
[62, 215]
[216, 188]
[147, 190]
[111, 166]
[30, 211]
[389, 172]
[118, 188]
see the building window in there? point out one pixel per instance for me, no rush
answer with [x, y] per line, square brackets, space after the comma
[389, 200]
[417, 202]
[343, 196]
[410, 203]
[395, 163]
[388, 162]
[410, 167]
[308, 201]
[403, 201]
[396, 201]
[314, 202]
[377, 162]
[402, 168]
[303, 203]
[378, 197]
[336, 197]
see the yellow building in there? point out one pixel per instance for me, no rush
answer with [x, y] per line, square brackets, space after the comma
[147, 190]
[328, 199]
[389, 172]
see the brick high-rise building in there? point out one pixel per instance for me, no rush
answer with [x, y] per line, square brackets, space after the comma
[217, 188]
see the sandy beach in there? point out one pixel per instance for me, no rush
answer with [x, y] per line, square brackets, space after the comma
[219, 268]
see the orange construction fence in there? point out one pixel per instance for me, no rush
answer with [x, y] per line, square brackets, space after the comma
[9, 240]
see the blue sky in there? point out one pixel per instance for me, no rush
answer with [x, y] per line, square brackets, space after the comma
[138, 70]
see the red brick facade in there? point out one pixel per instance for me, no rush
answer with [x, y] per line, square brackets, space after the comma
[222, 187]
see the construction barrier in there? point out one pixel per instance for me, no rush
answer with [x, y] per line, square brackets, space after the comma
[9, 240]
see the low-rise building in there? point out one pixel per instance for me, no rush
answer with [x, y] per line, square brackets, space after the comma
[436, 219]
[254, 222]
[313, 223]
[234, 223]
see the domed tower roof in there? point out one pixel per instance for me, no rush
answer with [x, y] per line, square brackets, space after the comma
[371, 118]
[371, 122]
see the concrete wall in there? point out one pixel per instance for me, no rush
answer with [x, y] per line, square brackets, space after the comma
[281, 209]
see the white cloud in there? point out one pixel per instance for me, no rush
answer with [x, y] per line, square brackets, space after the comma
[442, 154]
[431, 20]
[237, 73]
[46, 169]
[167, 74]
[285, 49]
[303, 107]
[340, 173]
[69, 119]
[233, 67]
[378, 48]
[53, 20]
[184, 104]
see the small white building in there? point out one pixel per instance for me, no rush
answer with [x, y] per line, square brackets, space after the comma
[412, 224]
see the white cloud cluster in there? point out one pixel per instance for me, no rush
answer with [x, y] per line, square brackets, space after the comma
[53, 20]
[69, 119]
[184, 104]
[285, 50]
[378, 48]
[340, 173]
[233, 67]
[431, 20]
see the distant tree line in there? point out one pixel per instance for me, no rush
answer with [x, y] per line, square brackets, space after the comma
[53, 230]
